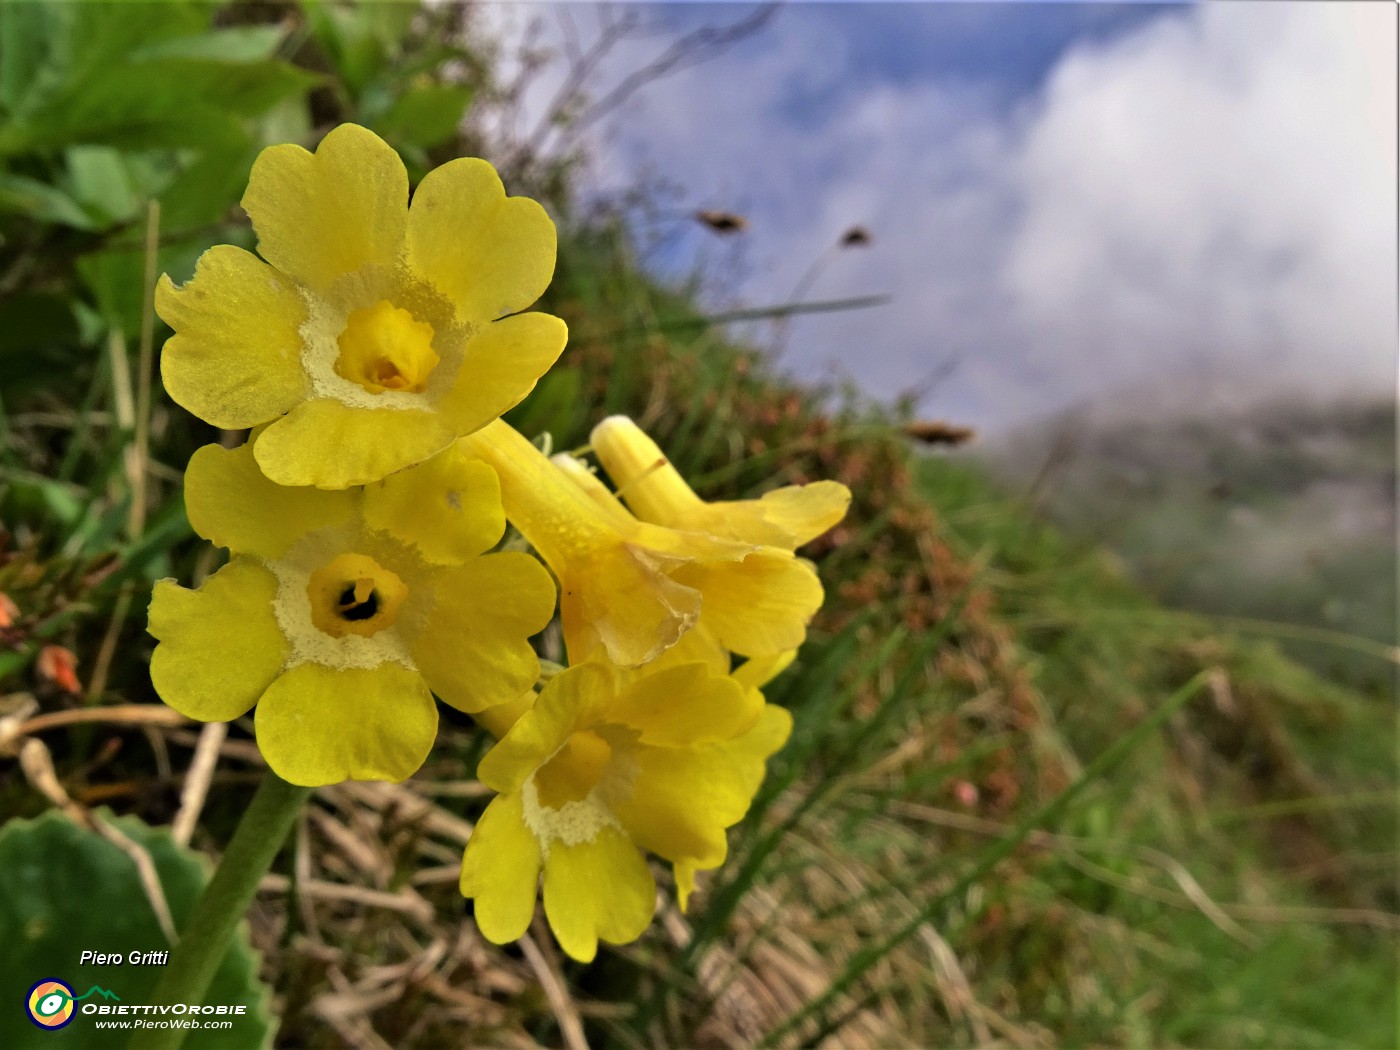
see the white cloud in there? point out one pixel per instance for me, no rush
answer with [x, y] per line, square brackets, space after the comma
[1218, 192]
[1213, 191]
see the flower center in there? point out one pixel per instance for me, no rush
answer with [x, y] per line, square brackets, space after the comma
[574, 770]
[386, 348]
[354, 594]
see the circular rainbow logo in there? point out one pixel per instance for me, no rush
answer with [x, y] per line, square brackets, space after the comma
[50, 1004]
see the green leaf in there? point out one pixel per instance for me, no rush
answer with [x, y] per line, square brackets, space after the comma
[168, 103]
[24, 28]
[47, 50]
[425, 116]
[555, 405]
[245, 88]
[42, 202]
[362, 40]
[288, 121]
[40, 501]
[119, 110]
[205, 192]
[99, 180]
[238, 44]
[68, 890]
[110, 33]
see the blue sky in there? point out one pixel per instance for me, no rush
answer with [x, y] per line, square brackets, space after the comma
[1066, 200]
[1006, 49]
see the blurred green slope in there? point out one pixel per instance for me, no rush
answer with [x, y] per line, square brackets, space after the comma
[1280, 511]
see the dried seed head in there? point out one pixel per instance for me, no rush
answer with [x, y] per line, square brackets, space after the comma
[937, 432]
[722, 222]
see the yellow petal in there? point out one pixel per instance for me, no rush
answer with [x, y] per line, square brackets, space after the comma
[220, 646]
[502, 363]
[501, 869]
[498, 719]
[489, 254]
[685, 883]
[230, 502]
[757, 606]
[685, 706]
[598, 890]
[758, 672]
[572, 700]
[623, 602]
[750, 752]
[449, 507]
[323, 215]
[474, 649]
[747, 757]
[697, 645]
[317, 725]
[685, 798]
[333, 446]
[235, 358]
[785, 518]
[803, 511]
[683, 802]
[678, 545]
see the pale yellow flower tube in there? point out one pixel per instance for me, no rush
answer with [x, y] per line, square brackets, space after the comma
[786, 517]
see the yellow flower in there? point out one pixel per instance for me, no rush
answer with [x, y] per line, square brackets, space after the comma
[748, 752]
[608, 763]
[655, 491]
[377, 332]
[633, 589]
[340, 610]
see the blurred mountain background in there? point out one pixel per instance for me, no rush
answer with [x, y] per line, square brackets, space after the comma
[1279, 512]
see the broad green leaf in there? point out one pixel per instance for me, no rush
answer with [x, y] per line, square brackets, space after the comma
[360, 40]
[171, 103]
[100, 181]
[24, 33]
[244, 88]
[426, 116]
[555, 405]
[288, 121]
[40, 502]
[108, 33]
[207, 190]
[42, 202]
[238, 44]
[48, 50]
[68, 890]
[119, 111]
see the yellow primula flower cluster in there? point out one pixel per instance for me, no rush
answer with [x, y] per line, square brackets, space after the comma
[371, 350]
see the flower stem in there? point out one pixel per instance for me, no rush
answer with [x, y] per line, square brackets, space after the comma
[205, 938]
